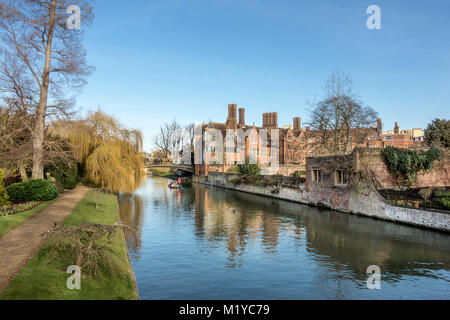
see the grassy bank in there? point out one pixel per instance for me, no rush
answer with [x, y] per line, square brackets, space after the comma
[41, 281]
[10, 222]
[162, 172]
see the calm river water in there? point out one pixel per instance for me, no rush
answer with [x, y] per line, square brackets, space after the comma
[211, 243]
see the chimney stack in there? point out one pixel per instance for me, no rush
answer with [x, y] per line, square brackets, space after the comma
[270, 120]
[397, 128]
[308, 129]
[232, 116]
[232, 111]
[297, 123]
[241, 116]
[379, 125]
[265, 120]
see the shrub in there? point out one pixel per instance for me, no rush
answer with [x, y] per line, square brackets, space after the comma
[249, 169]
[33, 190]
[445, 203]
[442, 193]
[407, 163]
[300, 174]
[4, 199]
[59, 186]
[66, 174]
[234, 169]
[442, 198]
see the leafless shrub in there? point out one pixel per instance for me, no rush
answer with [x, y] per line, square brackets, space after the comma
[86, 246]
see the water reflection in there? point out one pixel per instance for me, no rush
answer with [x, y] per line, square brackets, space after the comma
[258, 247]
[131, 209]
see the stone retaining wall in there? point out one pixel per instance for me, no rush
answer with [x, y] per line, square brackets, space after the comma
[372, 160]
[361, 199]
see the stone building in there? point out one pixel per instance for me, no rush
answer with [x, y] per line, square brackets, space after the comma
[339, 171]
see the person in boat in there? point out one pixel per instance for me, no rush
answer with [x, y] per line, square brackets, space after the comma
[175, 185]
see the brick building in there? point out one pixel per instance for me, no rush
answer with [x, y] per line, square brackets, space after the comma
[232, 151]
[402, 140]
[295, 143]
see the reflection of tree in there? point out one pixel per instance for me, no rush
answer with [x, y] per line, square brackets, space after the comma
[131, 213]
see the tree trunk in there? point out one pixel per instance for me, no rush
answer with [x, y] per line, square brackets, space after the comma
[38, 132]
[23, 172]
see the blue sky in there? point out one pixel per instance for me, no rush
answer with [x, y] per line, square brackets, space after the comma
[188, 59]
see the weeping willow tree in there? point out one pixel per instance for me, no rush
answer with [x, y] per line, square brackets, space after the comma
[111, 155]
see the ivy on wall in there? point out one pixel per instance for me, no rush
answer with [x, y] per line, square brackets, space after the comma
[407, 163]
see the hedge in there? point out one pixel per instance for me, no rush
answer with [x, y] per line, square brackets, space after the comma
[33, 190]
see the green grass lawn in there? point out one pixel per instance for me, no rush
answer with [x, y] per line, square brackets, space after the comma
[10, 222]
[41, 281]
[161, 172]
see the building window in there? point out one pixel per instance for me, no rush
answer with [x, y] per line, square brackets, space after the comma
[316, 176]
[263, 152]
[341, 177]
[254, 140]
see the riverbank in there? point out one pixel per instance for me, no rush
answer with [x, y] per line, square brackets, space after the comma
[162, 172]
[362, 199]
[39, 280]
[166, 173]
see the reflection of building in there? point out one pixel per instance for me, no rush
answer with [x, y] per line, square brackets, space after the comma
[223, 216]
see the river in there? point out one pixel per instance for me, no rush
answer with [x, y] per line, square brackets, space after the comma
[211, 243]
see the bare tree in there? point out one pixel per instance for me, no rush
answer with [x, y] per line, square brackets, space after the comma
[339, 115]
[168, 137]
[87, 245]
[47, 56]
[16, 144]
[190, 129]
[320, 121]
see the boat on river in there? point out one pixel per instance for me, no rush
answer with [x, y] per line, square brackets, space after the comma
[175, 186]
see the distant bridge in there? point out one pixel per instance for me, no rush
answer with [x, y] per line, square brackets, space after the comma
[182, 167]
